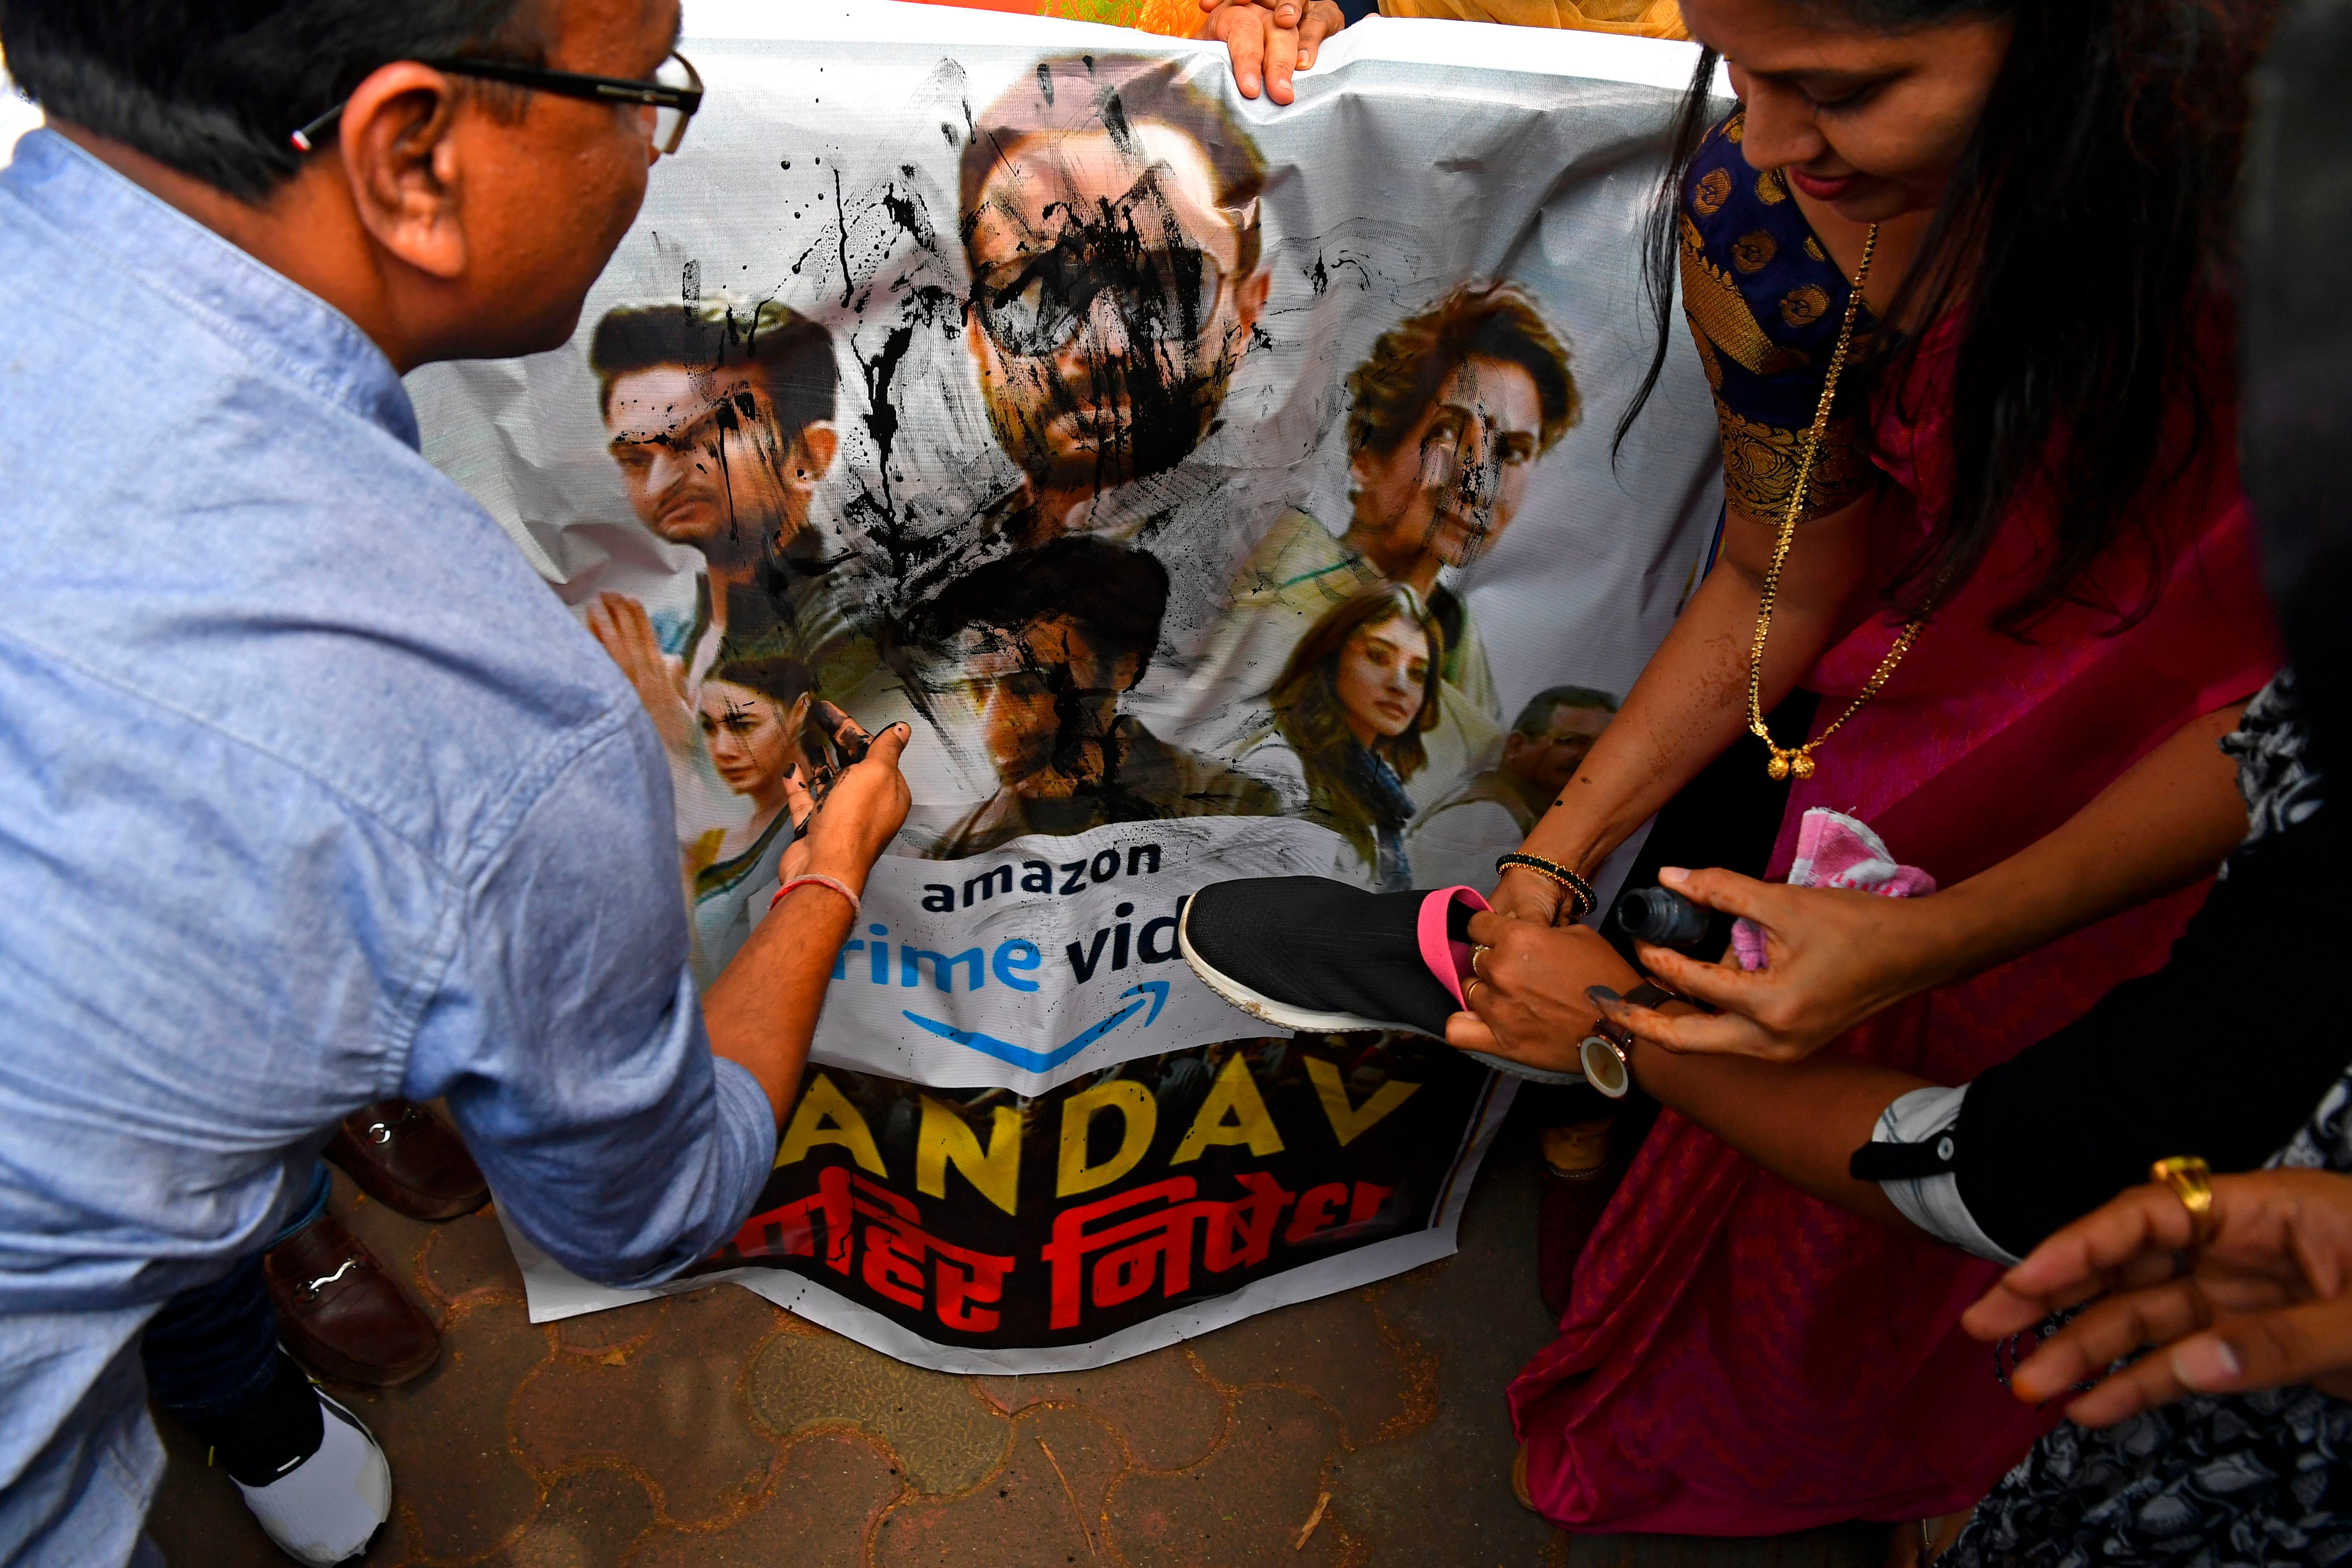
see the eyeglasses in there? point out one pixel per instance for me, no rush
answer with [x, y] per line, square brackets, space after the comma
[1032, 306]
[664, 104]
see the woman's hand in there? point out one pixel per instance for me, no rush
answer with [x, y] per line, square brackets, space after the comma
[1270, 40]
[1528, 1003]
[621, 624]
[866, 805]
[2263, 1302]
[1522, 895]
[1833, 957]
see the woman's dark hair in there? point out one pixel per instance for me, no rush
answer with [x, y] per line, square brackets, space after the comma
[2087, 231]
[2298, 364]
[1316, 659]
[214, 88]
[1345, 792]
[780, 678]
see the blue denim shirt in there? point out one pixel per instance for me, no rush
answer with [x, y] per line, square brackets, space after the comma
[310, 794]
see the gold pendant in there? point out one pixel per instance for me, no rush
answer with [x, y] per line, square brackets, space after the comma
[1801, 764]
[1778, 768]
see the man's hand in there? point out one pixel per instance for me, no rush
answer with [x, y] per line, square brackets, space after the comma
[2263, 1303]
[1833, 958]
[1528, 1003]
[1270, 40]
[626, 632]
[762, 1009]
[866, 805]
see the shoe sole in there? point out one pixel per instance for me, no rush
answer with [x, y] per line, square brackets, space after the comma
[1283, 1015]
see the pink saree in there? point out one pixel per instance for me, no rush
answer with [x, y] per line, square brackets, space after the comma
[1737, 1358]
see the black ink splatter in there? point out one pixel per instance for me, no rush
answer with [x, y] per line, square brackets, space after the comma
[847, 278]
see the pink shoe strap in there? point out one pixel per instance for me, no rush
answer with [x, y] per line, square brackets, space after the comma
[1448, 959]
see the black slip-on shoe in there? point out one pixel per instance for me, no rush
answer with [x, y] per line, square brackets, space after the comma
[1322, 956]
[1314, 955]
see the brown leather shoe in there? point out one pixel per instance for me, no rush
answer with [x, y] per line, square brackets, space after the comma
[339, 1312]
[403, 1157]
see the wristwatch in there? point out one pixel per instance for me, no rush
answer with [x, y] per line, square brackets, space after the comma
[1604, 1051]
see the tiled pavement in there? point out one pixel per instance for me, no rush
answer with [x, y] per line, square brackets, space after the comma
[717, 1430]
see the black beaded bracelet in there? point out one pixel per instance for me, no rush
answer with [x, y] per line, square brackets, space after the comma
[1582, 899]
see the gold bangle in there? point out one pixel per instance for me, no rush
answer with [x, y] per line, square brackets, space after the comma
[2192, 1181]
[1581, 899]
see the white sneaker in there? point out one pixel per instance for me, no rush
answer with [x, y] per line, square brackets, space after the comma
[326, 1509]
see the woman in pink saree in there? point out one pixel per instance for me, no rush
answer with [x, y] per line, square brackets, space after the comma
[2020, 541]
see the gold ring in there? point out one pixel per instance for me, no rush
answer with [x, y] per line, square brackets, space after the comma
[2192, 1181]
[1469, 988]
[1478, 953]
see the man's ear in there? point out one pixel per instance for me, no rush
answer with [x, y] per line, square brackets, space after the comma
[1250, 298]
[818, 442]
[398, 150]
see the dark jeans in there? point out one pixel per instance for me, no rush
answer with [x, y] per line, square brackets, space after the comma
[213, 1348]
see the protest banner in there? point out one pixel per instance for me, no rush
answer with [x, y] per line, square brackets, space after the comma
[1218, 490]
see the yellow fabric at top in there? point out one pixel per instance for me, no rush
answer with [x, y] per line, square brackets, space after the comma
[1643, 18]
[1171, 18]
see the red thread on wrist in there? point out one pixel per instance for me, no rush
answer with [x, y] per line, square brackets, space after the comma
[813, 878]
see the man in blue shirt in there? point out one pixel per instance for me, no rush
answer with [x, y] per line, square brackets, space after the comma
[310, 792]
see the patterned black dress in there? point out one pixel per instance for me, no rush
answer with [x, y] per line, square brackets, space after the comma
[2205, 1482]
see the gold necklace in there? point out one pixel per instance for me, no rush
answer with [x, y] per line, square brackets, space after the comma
[1799, 759]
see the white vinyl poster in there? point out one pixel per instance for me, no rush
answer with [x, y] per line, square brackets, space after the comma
[1219, 491]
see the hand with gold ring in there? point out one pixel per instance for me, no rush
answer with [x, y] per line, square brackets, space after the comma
[1526, 1000]
[2192, 1181]
[2264, 1299]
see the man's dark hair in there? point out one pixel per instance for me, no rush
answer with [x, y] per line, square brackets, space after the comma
[1411, 361]
[1116, 596]
[1078, 93]
[1534, 719]
[213, 89]
[791, 354]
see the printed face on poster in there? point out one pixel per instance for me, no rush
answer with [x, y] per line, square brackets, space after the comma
[1216, 491]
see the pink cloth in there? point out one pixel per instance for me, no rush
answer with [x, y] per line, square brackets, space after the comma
[1833, 851]
[1738, 1358]
[1448, 959]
